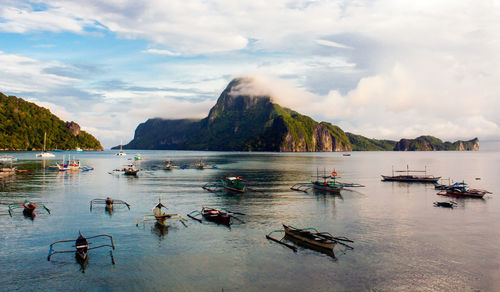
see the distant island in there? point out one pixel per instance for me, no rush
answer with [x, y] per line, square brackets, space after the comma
[254, 123]
[23, 124]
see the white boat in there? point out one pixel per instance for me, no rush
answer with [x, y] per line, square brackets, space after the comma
[121, 153]
[44, 154]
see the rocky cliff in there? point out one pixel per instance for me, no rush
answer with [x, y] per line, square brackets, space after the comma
[429, 143]
[242, 123]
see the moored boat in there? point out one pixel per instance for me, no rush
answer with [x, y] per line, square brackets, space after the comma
[68, 165]
[410, 177]
[306, 237]
[216, 215]
[82, 248]
[234, 184]
[449, 204]
[44, 153]
[462, 190]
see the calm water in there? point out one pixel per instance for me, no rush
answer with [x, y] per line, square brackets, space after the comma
[401, 242]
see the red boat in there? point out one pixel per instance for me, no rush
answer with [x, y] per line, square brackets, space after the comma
[216, 215]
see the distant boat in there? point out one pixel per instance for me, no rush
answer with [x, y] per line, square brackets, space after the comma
[121, 153]
[7, 158]
[200, 165]
[138, 157]
[409, 177]
[44, 154]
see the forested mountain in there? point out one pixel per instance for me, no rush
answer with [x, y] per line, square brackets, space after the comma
[23, 124]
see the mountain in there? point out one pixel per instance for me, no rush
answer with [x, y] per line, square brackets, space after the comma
[429, 143]
[240, 122]
[23, 124]
[361, 143]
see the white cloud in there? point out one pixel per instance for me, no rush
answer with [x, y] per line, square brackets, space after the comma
[332, 44]
[160, 52]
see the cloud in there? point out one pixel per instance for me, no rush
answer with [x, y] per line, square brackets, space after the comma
[160, 52]
[332, 44]
[386, 106]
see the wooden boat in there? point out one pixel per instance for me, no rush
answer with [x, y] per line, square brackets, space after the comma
[409, 177]
[216, 215]
[108, 203]
[310, 238]
[159, 216]
[130, 170]
[449, 204]
[307, 237]
[461, 190]
[234, 184]
[200, 165]
[324, 183]
[28, 208]
[69, 165]
[229, 183]
[168, 165]
[82, 247]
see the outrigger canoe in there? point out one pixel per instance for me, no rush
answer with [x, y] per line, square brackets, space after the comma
[315, 239]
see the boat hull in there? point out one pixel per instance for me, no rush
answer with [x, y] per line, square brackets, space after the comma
[300, 238]
[216, 216]
[410, 178]
[466, 194]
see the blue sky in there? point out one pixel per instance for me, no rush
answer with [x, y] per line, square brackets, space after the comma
[384, 69]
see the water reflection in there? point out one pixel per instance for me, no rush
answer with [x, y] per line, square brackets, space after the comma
[393, 225]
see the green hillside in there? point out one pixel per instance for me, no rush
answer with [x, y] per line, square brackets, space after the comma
[23, 123]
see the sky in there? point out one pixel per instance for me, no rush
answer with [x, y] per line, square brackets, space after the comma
[380, 68]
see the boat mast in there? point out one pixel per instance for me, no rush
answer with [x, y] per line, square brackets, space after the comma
[44, 140]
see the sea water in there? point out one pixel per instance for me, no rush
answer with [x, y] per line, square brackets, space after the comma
[401, 241]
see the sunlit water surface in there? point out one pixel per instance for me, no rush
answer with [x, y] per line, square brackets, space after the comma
[400, 240]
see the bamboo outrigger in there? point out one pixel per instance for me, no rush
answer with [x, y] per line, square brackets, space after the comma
[410, 177]
[310, 238]
[219, 216]
[234, 184]
[327, 183]
[462, 190]
[109, 203]
[28, 208]
[82, 246]
[159, 216]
